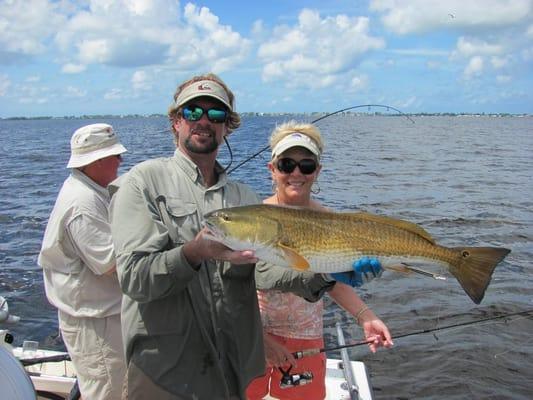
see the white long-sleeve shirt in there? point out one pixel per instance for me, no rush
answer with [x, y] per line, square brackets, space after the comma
[77, 251]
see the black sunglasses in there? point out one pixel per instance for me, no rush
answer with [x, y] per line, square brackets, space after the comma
[288, 165]
[194, 113]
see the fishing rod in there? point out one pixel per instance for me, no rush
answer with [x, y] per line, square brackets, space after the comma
[312, 352]
[229, 171]
[361, 106]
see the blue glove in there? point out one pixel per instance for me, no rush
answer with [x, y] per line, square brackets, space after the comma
[364, 270]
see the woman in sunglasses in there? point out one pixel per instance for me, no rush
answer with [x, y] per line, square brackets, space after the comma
[292, 323]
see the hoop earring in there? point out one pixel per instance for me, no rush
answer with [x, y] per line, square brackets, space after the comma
[315, 189]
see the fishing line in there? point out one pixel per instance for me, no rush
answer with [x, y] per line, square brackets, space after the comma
[310, 352]
[229, 171]
[313, 122]
[361, 106]
[230, 154]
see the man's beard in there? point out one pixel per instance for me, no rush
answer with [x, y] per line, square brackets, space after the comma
[204, 148]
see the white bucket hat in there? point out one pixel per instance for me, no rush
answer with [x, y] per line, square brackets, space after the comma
[93, 142]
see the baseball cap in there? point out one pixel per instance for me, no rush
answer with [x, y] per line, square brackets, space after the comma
[296, 139]
[93, 142]
[204, 88]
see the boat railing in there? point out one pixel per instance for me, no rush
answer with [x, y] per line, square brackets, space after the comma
[347, 370]
[6, 339]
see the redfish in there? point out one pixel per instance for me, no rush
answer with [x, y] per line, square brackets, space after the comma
[329, 242]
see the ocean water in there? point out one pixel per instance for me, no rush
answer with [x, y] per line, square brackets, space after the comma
[466, 180]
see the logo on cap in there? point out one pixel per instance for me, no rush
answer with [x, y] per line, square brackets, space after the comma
[204, 86]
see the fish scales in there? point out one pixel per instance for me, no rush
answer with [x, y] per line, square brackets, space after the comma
[333, 241]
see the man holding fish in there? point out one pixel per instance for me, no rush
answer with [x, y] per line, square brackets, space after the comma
[191, 322]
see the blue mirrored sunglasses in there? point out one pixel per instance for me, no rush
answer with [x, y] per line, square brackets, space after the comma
[194, 113]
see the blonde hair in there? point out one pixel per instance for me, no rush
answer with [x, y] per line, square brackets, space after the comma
[233, 121]
[287, 128]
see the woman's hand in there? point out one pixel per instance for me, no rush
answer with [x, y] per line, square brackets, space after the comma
[376, 332]
[276, 354]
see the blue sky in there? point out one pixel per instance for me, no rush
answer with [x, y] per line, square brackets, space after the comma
[61, 57]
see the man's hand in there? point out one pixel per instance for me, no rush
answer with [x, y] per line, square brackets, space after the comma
[201, 248]
[364, 270]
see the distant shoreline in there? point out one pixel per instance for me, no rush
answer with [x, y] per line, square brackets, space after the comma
[261, 114]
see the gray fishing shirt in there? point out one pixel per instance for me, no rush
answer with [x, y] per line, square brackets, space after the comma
[196, 333]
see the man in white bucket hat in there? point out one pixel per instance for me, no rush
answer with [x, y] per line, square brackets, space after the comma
[78, 261]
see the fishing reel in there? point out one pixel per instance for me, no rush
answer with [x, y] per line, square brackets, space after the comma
[289, 380]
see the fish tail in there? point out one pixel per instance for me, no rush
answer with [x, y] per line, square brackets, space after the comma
[474, 268]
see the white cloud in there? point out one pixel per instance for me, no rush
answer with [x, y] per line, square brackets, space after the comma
[72, 91]
[474, 51]
[114, 94]
[491, 33]
[70, 68]
[32, 100]
[529, 31]
[32, 93]
[139, 7]
[123, 33]
[316, 51]
[205, 43]
[97, 51]
[136, 33]
[417, 16]
[33, 78]
[474, 67]
[468, 47]
[527, 54]
[503, 78]
[421, 52]
[258, 28]
[499, 62]
[140, 81]
[407, 102]
[26, 26]
[359, 82]
[4, 84]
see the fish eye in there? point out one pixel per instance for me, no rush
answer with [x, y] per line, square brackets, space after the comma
[225, 217]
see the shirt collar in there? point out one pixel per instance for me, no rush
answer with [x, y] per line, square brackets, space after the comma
[193, 172]
[80, 176]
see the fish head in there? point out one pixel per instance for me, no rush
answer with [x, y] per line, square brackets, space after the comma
[240, 228]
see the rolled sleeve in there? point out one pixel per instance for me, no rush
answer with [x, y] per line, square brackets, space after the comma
[308, 285]
[91, 236]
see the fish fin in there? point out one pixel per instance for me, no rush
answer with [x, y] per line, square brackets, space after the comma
[294, 258]
[398, 223]
[475, 267]
[408, 269]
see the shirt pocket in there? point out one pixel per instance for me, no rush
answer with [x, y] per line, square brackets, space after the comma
[83, 340]
[184, 219]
